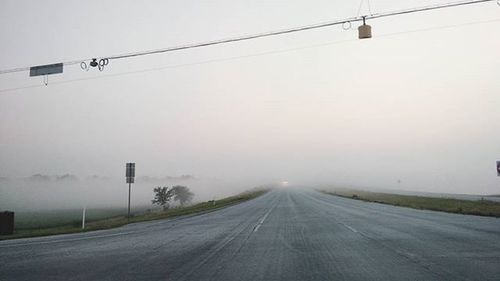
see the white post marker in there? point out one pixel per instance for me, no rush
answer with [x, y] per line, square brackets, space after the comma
[83, 217]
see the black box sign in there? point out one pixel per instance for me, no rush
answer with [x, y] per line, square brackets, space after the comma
[130, 170]
[6, 223]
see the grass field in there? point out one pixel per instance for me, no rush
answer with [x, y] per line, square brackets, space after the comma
[54, 218]
[467, 207]
[61, 222]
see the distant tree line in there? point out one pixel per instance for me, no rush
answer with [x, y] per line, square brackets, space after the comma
[163, 195]
[166, 178]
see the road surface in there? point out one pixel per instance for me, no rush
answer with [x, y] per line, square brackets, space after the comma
[282, 235]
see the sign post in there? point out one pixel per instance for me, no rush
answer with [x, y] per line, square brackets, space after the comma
[130, 174]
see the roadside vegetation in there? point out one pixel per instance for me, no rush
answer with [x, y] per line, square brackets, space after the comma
[111, 221]
[450, 205]
[163, 195]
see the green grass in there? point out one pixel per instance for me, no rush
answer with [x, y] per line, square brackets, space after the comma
[55, 218]
[63, 224]
[450, 205]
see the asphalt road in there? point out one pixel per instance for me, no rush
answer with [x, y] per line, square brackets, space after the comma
[283, 235]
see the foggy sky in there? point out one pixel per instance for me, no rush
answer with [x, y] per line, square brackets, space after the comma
[419, 102]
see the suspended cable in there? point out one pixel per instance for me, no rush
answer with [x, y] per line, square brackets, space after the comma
[426, 8]
[388, 35]
[297, 29]
[104, 61]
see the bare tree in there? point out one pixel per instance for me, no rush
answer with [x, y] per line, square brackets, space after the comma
[162, 196]
[182, 194]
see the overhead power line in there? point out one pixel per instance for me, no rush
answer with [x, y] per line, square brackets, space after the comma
[387, 35]
[105, 59]
[239, 57]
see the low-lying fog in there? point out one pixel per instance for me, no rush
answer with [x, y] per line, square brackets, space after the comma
[417, 107]
[42, 192]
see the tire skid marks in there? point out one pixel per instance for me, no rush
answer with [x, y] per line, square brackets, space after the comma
[69, 240]
[237, 231]
[220, 268]
[433, 269]
[261, 221]
[164, 224]
[335, 219]
[299, 237]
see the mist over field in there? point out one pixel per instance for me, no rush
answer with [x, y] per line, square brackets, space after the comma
[416, 107]
[42, 192]
[46, 192]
